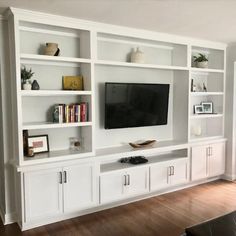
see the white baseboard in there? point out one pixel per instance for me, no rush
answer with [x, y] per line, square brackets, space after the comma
[8, 218]
[229, 177]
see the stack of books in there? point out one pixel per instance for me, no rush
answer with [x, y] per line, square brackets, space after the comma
[64, 113]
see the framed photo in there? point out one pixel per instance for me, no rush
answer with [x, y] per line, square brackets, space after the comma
[207, 107]
[39, 143]
[198, 109]
[73, 83]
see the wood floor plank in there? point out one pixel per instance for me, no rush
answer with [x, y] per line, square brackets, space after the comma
[168, 214]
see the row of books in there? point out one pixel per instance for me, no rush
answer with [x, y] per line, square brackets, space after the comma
[64, 113]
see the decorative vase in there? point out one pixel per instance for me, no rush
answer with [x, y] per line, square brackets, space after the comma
[35, 85]
[52, 49]
[197, 130]
[27, 85]
[137, 56]
[202, 64]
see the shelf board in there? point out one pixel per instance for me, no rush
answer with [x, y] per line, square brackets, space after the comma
[127, 150]
[204, 138]
[50, 125]
[203, 116]
[58, 155]
[50, 60]
[116, 166]
[36, 93]
[139, 65]
[205, 93]
[136, 43]
[195, 70]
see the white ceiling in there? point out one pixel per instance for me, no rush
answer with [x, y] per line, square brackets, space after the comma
[206, 19]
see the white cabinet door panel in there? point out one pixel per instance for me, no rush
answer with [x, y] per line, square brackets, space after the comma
[159, 176]
[180, 172]
[79, 187]
[199, 162]
[217, 159]
[137, 179]
[43, 194]
[111, 186]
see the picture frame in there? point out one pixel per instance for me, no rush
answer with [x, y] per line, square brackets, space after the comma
[207, 107]
[73, 83]
[198, 109]
[40, 143]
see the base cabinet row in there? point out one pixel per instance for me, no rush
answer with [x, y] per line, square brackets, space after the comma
[70, 189]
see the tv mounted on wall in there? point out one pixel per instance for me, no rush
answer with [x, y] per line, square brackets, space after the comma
[135, 105]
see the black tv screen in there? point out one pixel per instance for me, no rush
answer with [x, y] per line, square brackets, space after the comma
[135, 105]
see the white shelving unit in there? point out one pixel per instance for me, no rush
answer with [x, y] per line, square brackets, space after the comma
[35, 107]
[210, 125]
[101, 53]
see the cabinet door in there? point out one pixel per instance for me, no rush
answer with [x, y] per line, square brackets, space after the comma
[112, 186]
[43, 194]
[217, 159]
[137, 181]
[79, 187]
[159, 176]
[179, 172]
[199, 162]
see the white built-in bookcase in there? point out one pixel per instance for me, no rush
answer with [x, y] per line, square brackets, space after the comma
[101, 53]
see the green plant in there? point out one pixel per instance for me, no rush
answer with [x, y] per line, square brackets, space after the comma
[26, 74]
[200, 58]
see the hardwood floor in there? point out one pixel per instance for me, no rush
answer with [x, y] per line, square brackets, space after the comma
[165, 215]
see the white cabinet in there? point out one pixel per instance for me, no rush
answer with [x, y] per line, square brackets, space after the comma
[122, 184]
[60, 190]
[208, 161]
[216, 159]
[79, 187]
[43, 194]
[165, 174]
[199, 162]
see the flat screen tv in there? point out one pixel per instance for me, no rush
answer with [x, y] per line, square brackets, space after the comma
[135, 105]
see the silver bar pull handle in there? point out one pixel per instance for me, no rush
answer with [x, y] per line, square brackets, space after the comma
[60, 177]
[65, 177]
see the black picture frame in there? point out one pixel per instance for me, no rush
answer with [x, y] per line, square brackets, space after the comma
[31, 142]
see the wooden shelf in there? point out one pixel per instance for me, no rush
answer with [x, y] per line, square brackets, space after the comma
[58, 155]
[49, 60]
[203, 116]
[120, 41]
[204, 138]
[195, 70]
[36, 93]
[205, 93]
[50, 125]
[139, 65]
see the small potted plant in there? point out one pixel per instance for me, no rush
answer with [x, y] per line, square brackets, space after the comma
[25, 78]
[201, 60]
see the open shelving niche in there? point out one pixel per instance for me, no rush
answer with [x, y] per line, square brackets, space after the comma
[165, 63]
[36, 107]
[211, 125]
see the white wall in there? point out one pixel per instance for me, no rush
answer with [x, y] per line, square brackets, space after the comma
[230, 109]
[7, 193]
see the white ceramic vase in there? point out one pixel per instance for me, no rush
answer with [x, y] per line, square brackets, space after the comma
[202, 64]
[27, 85]
[137, 56]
